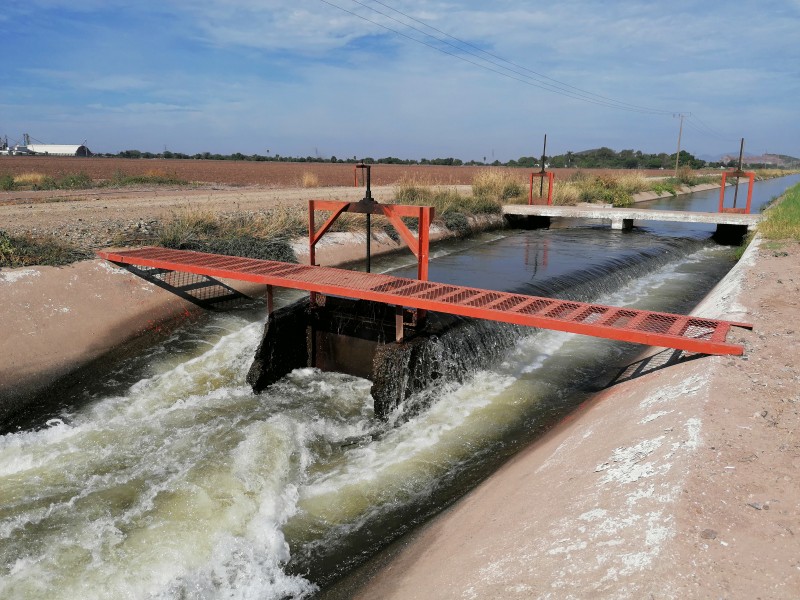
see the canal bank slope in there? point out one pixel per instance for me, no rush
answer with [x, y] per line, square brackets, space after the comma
[678, 481]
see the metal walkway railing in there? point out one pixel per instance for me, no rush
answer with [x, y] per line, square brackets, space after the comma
[693, 334]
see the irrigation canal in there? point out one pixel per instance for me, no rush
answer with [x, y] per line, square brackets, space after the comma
[169, 478]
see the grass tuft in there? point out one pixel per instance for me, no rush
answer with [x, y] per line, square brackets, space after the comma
[251, 235]
[499, 186]
[310, 180]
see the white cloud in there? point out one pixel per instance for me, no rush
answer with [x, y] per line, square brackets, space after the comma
[91, 81]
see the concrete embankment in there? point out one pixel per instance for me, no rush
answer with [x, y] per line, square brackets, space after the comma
[660, 486]
[681, 191]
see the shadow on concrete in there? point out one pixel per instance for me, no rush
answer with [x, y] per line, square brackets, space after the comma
[656, 362]
[201, 290]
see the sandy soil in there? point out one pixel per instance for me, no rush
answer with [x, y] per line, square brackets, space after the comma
[681, 482]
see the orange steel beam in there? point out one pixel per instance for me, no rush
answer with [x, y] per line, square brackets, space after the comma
[692, 334]
[418, 244]
[550, 178]
[751, 176]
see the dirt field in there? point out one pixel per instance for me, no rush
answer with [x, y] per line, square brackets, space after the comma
[271, 174]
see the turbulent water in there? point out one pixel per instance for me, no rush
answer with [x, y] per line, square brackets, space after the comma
[170, 479]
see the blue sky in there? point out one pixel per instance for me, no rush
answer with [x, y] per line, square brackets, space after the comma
[305, 77]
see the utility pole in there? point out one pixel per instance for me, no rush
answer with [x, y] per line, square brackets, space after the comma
[678, 153]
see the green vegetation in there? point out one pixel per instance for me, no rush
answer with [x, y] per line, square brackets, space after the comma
[664, 186]
[82, 181]
[606, 158]
[155, 177]
[26, 251]
[783, 219]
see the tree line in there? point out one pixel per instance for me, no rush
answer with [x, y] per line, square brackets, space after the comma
[600, 158]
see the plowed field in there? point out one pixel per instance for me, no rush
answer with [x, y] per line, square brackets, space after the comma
[272, 174]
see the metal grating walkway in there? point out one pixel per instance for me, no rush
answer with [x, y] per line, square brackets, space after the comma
[693, 334]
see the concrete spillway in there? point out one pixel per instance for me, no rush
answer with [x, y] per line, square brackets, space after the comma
[623, 218]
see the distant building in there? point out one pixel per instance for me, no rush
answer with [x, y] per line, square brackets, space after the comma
[58, 150]
[27, 148]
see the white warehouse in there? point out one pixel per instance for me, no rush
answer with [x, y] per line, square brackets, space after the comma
[59, 150]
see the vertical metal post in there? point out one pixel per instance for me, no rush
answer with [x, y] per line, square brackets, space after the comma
[752, 179]
[312, 255]
[311, 232]
[368, 198]
[369, 225]
[738, 170]
[544, 154]
[423, 249]
[398, 323]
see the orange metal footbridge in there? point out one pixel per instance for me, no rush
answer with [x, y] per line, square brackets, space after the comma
[693, 334]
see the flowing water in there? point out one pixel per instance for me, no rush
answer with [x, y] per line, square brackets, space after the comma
[169, 478]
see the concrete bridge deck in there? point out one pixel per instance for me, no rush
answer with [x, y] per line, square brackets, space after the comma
[623, 218]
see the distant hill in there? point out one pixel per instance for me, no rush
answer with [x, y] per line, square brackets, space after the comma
[775, 160]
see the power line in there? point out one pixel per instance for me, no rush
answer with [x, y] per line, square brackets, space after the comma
[497, 64]
[707, 130]
[515, 76]
[556, 82]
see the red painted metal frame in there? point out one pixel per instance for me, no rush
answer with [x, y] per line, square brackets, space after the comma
[419, 244]
[550, 178]
[693, 334]
[746, 210]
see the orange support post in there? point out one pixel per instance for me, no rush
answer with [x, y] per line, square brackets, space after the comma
[751, 177]
[550, 178]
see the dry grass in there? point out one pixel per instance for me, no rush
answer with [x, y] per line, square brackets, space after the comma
[281, 222]
[309, 180]
[566, 193]
[30, 179]
[633, 182]
[498, 185]
[773, 173]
